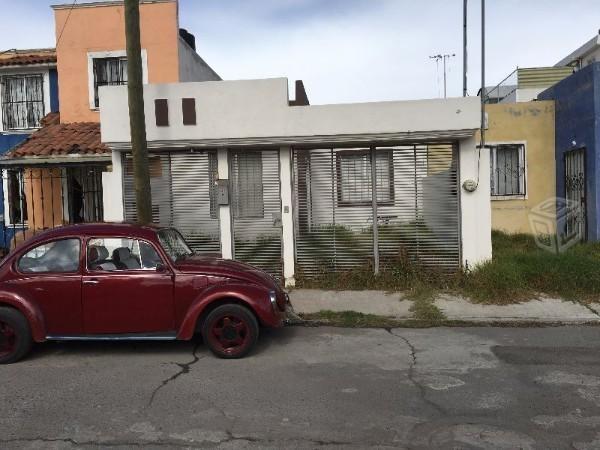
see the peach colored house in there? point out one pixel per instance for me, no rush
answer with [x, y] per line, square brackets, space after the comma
[91, 51]
[55, 176]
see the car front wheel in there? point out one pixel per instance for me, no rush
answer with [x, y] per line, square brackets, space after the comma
[15, 336]
[230, 331]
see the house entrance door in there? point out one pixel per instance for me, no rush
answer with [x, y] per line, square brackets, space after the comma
[576, 222]
[256, 208]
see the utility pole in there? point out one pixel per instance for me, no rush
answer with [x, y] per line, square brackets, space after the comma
[483, 94]
[465, 47]
[137, 119]
[443, 58]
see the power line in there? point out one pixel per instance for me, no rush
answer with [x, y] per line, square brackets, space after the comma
[65, 24]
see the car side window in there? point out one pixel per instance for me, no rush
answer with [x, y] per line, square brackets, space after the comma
[116, 253]
[59, 256]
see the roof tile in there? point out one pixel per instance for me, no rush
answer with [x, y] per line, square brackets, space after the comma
[27, 57]
[56, 139]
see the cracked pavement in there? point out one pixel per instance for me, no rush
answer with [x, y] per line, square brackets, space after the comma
[313, 387]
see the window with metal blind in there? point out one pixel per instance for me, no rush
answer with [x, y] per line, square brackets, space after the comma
[354, 177]
[507, 170]
[22, 101]
[213, 176]
[248, 187]
[108, 72]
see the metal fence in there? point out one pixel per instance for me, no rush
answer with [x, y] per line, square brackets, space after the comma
[40, 198]
[376, 206]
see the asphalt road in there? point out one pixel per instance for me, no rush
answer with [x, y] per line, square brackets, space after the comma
[313, 387]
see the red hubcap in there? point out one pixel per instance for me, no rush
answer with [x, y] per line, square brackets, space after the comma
[229, 334]
[8, 339]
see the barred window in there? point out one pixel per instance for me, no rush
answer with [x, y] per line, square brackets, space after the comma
[108, 72]
[354, 177]
[17, 201]
[22, 101]
[507, 172]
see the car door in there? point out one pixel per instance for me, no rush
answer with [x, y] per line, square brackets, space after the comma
[49, 275]
[126, 288]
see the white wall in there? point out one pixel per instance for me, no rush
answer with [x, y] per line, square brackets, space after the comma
[476, 210]
[256, 110]
[192, 67]
[112, 191]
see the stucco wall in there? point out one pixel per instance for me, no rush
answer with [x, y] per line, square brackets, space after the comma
[102, 28]
[530, 123]
[248, 109]
[577, 100]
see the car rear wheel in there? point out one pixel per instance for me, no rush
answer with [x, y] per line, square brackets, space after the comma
[15, 336]
[230, 331]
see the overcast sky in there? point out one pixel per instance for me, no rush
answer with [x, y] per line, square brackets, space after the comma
[356, 50]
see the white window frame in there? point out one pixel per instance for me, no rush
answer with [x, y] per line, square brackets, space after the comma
[27, 71]
[387, 154]
[522, 162]
[110, 54]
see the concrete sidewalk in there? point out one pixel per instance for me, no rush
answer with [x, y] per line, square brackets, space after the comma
[542, 310]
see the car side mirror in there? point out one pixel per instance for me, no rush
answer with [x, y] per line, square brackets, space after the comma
[161, 268]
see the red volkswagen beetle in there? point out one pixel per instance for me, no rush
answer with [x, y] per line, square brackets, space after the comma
[124, 281]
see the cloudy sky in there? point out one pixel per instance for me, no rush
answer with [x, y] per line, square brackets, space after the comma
[356, 50]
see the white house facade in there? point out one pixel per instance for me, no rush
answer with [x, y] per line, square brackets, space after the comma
[299, 189]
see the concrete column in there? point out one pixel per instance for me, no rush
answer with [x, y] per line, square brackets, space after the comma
[475, 207]
[287, 217]
[225, 210]
[112, 190]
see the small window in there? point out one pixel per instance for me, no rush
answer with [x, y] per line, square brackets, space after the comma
[52, 257]
[188, 108]
[17, 201]
[108, 72]
[161, 112]
[507, 171]
[115, 253]
[354, 177]
[22, 101]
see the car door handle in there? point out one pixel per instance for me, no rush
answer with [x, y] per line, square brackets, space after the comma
[90, 282]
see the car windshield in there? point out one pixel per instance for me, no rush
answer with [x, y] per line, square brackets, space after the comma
[174, 244]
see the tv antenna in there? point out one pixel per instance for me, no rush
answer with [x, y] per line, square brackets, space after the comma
[443, 57]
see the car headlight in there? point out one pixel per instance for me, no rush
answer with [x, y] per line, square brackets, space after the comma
[273, 298]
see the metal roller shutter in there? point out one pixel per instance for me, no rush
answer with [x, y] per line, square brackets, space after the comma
[183, 196]
[417, 207]
[256, 208]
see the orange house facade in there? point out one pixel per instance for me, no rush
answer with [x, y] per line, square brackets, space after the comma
[58, 161]
[91, 52]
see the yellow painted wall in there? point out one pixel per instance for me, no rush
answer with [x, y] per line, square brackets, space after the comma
[102, 28]
[532, 123]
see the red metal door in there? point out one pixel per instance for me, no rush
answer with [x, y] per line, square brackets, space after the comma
[137, 301]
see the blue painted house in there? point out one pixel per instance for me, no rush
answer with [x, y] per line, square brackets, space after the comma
[28, 92]
[577, 138]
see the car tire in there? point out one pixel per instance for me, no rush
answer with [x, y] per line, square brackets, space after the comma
[230, 331]
[15, 336]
